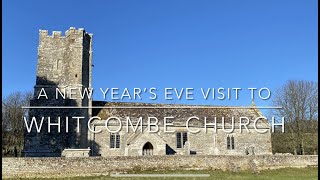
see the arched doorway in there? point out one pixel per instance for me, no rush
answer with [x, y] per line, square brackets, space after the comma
[147, 149]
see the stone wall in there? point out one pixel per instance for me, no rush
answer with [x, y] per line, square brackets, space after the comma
[64, 167]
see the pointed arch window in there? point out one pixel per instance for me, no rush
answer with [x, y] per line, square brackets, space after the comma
[147, 149]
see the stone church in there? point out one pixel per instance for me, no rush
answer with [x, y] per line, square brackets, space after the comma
[66, 61]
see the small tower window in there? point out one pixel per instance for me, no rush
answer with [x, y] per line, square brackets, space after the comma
[57, 65]
[76, 75]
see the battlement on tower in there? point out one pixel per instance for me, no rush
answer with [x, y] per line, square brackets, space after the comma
[58, 34]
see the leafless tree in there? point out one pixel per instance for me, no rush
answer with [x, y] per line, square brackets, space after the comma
[299, 102]
[12, 120]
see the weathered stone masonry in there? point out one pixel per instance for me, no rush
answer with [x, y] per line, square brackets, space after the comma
[64, 167]
[165, 143]
[63, 62]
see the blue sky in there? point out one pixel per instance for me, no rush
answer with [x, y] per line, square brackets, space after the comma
[171, 43]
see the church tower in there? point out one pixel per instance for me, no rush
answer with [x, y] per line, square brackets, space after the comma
[64, 63]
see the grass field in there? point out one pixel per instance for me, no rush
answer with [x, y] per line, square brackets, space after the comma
[281, 174]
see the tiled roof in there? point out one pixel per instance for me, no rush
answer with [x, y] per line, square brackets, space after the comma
[180, 112]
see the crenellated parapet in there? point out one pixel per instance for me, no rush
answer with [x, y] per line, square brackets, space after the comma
[69, 32]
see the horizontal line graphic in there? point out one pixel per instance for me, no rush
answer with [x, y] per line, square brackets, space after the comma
[149, 107]
[159, 175]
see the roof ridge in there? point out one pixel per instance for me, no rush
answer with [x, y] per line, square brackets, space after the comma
[163, 104]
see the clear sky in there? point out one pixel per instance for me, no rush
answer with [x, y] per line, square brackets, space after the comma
[169, 43]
